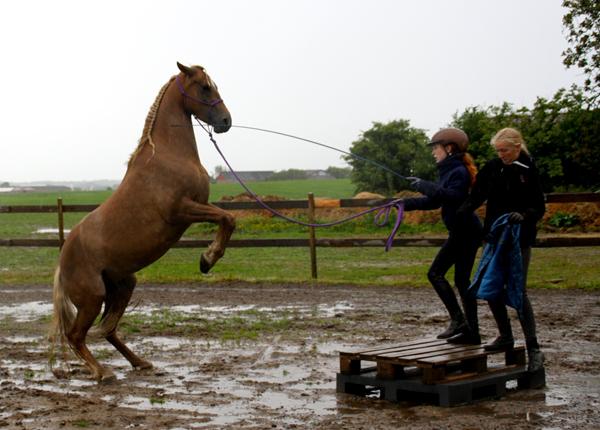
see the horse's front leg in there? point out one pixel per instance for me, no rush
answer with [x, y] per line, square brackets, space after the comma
[192, 211]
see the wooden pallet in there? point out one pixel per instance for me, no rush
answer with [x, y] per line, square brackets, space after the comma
[435, 359]
[434, 371]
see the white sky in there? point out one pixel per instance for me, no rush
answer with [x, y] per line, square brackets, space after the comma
[78, 77]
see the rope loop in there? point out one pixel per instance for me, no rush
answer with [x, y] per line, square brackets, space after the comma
[382, 211]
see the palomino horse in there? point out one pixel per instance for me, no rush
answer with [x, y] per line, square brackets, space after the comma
[164, 191]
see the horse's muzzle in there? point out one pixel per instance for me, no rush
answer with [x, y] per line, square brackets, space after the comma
[222, 125]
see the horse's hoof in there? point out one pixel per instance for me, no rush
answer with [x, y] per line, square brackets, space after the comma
[204, 265]
[60, 374]
[107, 378]
[143, 365]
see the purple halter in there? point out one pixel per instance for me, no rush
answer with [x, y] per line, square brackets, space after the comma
[211, 103]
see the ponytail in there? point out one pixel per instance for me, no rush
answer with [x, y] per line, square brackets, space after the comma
[470, 165]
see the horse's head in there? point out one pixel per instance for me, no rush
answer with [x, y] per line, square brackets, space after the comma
[201, 97]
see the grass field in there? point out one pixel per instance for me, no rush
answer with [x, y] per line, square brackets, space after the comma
[291, 189]
[27, 225]
[551, 267]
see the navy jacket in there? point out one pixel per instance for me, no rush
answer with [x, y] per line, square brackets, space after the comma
[509, 188]
[449, 193]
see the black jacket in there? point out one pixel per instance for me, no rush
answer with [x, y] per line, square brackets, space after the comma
[449, 193]
[509, 188]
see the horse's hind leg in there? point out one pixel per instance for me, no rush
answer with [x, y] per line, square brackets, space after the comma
[88, 300]
[118, 296]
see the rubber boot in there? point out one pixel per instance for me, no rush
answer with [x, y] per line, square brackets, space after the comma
[535, 360]
[505, 341]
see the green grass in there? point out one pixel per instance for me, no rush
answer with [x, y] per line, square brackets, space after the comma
[245, 325]
[290, 189]
[26, 225]
[49, 198]
[550, 267]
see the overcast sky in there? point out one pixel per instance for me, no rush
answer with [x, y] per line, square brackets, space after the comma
[78, 77]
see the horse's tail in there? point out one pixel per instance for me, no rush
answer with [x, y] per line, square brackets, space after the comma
[64, 315]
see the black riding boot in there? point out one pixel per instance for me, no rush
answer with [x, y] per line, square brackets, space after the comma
[470, 333]
[505, 340]
[444, 290]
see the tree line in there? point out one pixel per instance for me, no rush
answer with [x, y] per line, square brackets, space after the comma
[562, 133]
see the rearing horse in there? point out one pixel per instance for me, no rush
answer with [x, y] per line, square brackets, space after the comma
[164, 191]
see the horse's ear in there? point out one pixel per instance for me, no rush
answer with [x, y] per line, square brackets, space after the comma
[187, 70]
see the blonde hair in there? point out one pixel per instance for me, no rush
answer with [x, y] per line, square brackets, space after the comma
[511, 136]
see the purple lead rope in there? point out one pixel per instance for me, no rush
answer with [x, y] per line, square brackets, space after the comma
[382, 211]
[385, 212]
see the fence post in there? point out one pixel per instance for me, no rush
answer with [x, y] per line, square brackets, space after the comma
[61, 223]
[312, 240]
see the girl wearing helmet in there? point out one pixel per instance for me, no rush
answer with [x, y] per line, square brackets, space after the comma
[456, 175]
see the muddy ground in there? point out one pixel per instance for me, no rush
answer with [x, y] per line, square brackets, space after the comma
[266, 356]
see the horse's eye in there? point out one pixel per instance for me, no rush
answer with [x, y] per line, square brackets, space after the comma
[206, 88]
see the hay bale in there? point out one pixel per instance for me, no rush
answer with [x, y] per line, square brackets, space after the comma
[368, 195]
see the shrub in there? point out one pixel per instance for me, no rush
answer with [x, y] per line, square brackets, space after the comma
[563, 220]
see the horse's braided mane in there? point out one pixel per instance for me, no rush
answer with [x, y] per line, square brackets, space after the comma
[149, 124]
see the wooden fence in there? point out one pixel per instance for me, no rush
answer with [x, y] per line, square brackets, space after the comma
[311, 204]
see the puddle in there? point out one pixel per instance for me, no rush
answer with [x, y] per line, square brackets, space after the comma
[280, 374]
[279, 400]
[226, 309]
[24, 312]
[333, 348]
[24, 339]
[231, 387]
[50, 230]
[162, 342]
[20, 290]
[209, 312]
[221, 414]
[30, 311]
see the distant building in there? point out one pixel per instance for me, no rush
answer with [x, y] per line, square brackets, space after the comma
[35, 189]
[265, 175]
[318, 174]
[261, 175]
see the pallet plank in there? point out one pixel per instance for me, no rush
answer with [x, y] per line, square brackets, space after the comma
[434, 359]
[457, 356]
[433, 351]
[383, 349]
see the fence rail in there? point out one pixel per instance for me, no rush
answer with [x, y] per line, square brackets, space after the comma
[291, 204]
[311, 204]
